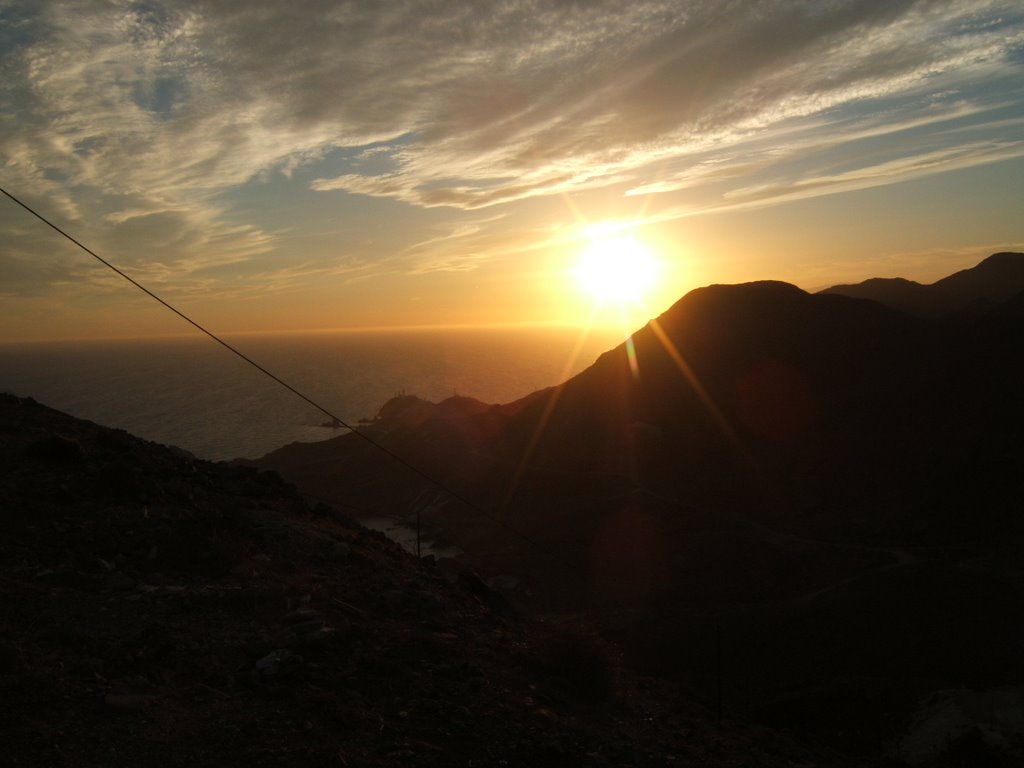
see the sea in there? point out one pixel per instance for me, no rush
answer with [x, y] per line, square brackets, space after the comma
[193, 393]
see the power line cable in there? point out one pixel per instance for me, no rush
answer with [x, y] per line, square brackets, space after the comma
[548, 548]
[387, 451]
[445, 488]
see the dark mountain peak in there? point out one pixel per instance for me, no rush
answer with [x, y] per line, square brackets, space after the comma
[756, 287]
[894, 282]
[720, 301]
[1003, 259]
[995, 280]
[763, 289]
[744, 313]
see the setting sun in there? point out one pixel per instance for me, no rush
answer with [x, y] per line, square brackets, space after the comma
[616, 268]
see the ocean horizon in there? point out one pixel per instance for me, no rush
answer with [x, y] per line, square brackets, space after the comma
[193, 393]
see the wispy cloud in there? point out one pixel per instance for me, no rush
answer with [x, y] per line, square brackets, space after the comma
[132, 118]
[892, 170]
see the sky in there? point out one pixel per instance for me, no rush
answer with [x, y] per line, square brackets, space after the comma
[313, 165]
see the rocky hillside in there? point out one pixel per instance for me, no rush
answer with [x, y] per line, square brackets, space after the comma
[159, 610]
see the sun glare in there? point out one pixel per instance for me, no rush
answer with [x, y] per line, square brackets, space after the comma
[616, 268]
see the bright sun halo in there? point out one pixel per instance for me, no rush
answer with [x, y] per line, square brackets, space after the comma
[616, 268]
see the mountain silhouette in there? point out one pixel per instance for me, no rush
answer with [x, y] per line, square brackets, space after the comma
[994, 281]
[828, 482]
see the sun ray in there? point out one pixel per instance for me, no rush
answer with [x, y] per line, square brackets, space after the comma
[549, 407]
[691, 377]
